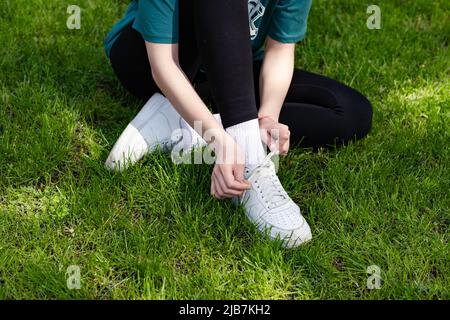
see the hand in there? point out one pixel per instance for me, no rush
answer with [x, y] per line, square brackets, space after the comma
[274, 134]
[227, 179]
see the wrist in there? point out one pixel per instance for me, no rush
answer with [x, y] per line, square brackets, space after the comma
[218, 138]
[272, 117]
[268, 113]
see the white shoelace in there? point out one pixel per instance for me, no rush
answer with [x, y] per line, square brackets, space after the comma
[267, 183]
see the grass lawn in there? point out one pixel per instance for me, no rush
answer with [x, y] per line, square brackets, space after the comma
[154, 232]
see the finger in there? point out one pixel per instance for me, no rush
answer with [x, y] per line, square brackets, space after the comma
[274, 144]
[225, 192]
[214, 191]
[287, 142]
[285, 148]
[218, 191]
[264, 136]
[281, 132]
[285, 135]
[284, 144]
[275, 133]
[229, 185]
[235, 181]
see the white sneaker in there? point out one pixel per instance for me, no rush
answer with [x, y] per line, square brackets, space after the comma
[269, 207]
[157, 125]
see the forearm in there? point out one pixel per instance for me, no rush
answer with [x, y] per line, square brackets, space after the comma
[174, 84]
[275, 78]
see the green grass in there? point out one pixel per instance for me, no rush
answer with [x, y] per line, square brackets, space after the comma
[155, 233]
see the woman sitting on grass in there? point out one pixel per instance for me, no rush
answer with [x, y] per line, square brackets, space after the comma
[237, 55]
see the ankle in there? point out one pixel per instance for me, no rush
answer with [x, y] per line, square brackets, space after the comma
[247, 136]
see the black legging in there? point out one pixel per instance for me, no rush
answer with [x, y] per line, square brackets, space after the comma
[319, 111]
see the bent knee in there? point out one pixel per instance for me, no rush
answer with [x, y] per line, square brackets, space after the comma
[359, 115]
[365, 118]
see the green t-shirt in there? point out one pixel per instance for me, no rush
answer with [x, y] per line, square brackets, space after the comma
[157, 21]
